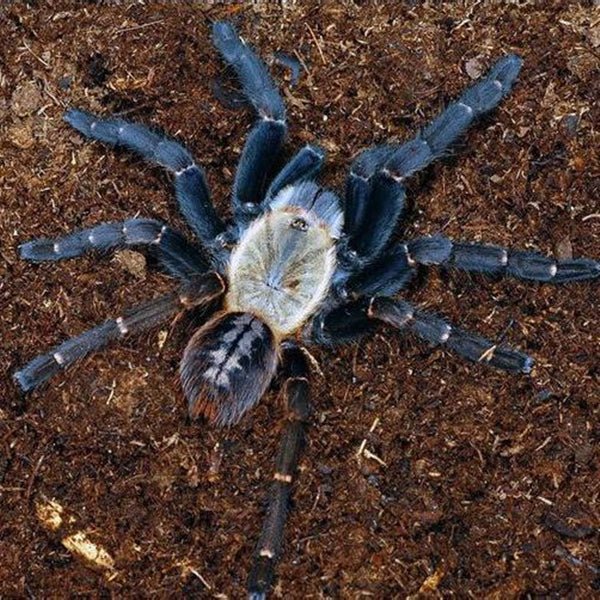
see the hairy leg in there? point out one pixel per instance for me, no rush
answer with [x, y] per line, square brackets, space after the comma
[268, 550]
[263, 146]
[391, 272]
[305, 164]
[196, 292]
[349, 321]
[190, 185]
[375, 185]
[174, 252]
[437, 331]
[529, 266]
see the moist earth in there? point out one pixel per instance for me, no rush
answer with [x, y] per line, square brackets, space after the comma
[424, 475]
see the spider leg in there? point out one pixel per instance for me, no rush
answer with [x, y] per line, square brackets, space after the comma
[175, 253]
[263, 146]
[347, 322]
[305, 164]
[436, 331]
[196, 292]
[191, 189]
[268, 550]
[389, 273]
[375, 186]
[374, 203]
[394, 269]
[529, 266]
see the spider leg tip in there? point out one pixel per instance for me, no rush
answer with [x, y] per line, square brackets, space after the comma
[70, 114]
[78, 119]
[24, 249]
[25, 385]
[34, 250]
[515, 59]
[528, 365]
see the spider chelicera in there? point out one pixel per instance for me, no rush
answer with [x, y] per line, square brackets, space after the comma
[296, 266]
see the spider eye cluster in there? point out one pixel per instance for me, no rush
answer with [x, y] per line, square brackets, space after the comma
[299, 223]
[314, 204]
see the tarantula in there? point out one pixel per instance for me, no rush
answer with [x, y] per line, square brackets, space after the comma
[295, 266]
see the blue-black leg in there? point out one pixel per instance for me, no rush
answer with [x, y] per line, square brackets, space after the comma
[489, 260]
[305, 164]
[190, 185]
[260, 156]
[297, 410]
[366, 194]
[196, 292]
[437, 331]
[342, 324]
[261, 152]
[373, 205]
[354, 319]
[529, 266]
[174, 252]
[394, 269]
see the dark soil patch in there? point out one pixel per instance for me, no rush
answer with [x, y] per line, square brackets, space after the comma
[490, 482]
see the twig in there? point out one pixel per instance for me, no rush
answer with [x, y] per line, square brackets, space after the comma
[204, 582]
[34, 473]
[35, 55]
[136, 27]
[314, 37]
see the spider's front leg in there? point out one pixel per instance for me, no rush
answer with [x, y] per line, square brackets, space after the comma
[263, 146]
[296, 396]
[196, 292]
[174, 252]
[262, 150]
[375, 186]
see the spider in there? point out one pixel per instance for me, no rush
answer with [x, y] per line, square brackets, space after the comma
[295, 266]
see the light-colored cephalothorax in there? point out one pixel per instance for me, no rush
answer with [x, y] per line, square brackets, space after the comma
[282, 267]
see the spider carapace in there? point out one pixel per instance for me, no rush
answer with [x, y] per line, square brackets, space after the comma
[295, 265]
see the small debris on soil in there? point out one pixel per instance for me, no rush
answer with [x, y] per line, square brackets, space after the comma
[26, 99]
[54, 518]
[133, 262]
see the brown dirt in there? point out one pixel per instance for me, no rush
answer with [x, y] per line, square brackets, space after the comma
[489, 485]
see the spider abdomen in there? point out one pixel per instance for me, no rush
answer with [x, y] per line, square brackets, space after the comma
[281, 269]
[227, 366]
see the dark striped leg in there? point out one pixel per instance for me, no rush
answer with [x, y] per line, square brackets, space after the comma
[263, 146]
[268, 550]
[375, 168]
[530, 266]
[305, 164]
[355, 319]
[176, 254]
[341, 325]
[190, 185]
[198, 291]
[380, 200]
[393, 270]
[436, 331]
[494, 260]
